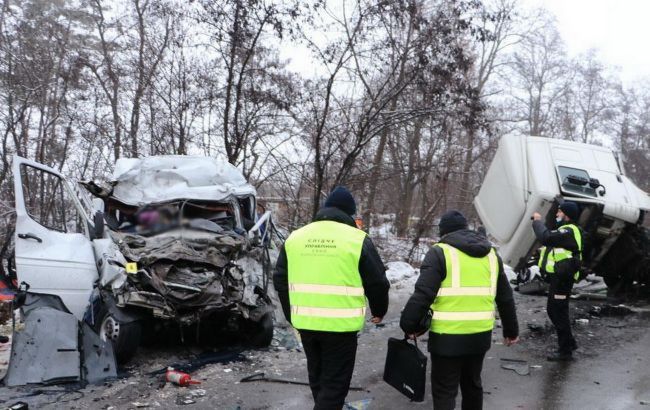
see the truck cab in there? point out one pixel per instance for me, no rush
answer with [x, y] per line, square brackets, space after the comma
[535, 174]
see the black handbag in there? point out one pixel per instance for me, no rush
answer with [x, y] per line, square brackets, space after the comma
[406, 368]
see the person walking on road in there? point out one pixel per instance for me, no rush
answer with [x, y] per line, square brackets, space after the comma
[559, 259]
[460, 280]
[323, 275]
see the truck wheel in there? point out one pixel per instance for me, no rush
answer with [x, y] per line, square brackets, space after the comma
[262, 333]
[125, 337]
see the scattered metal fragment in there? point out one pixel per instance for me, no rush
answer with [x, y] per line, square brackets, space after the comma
[590, 296]
[182, 401]
[363, 404]
[20, 405]
[520, 367]
[534, 327]
[225, 356]
[616, 310]
[534, 287]
[189, 397]
[261, 377]
[595, 311]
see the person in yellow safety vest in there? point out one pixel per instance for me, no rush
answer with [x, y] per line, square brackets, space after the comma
[559, 261]
[460, 280]
[323, 275]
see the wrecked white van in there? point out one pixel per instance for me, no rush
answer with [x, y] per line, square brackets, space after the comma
[530, 174]
[169, 242]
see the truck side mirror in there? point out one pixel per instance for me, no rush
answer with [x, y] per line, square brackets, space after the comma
[577, 180]
[595, 183]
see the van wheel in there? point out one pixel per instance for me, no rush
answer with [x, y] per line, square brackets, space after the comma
[262, 331]
[125, 337]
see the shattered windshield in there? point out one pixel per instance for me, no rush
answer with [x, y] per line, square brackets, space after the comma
[158, 218]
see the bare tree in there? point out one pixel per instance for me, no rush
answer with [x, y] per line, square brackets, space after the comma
[537, 72]
[149, 56]
[591, 90]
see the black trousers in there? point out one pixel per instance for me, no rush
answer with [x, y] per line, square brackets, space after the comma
[557, 307]
[330, 363]
[449, 372]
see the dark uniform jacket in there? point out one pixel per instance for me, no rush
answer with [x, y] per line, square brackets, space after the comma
[371, 268]
[562, 279]
[432, 273]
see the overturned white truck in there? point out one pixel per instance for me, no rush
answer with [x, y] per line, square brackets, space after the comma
[170, 242]
[531, 174]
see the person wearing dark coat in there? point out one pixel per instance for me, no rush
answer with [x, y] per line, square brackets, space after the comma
[323, 276]
[460, 332]
[560, 263]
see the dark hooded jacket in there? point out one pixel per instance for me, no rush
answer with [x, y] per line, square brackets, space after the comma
[562, 280]
[371, 269]
[432, 273]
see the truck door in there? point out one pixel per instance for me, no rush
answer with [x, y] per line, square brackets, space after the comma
[54, 254]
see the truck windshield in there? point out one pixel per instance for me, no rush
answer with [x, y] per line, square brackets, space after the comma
[576, 181]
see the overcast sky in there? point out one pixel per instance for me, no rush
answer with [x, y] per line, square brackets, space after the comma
[619, 29]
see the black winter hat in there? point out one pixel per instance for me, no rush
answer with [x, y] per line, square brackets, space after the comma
[570, 209]
[342, 199]
[451, 221]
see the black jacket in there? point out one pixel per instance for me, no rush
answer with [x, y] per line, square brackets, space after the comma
[432, 273]
[562, 279]
[559, 238]
[371, 269]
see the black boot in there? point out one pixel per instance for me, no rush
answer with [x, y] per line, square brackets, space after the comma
[574, 347]
[560, 357]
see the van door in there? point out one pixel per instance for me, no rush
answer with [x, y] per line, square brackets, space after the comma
[54, 254]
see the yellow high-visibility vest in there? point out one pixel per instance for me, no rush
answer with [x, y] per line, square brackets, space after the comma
[465, 301]
[325, 288]
[558, 254]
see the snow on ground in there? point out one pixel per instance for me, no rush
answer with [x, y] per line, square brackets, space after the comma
[510, 273]
[382, 230]
[392, 248]
[398, 271]
[402, 277]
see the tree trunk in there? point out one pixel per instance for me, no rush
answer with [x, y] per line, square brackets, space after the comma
[465, 197]
[409, 185]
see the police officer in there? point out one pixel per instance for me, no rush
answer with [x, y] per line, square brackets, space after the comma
[560, 258]
[323, 275]
[460, 280]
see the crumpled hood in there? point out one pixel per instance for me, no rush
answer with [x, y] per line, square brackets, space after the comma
[467, 241]
[140, 181]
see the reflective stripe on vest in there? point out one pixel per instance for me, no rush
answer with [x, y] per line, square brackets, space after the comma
[558, 254]
[542, 255]
[465, 301]
[325, 288]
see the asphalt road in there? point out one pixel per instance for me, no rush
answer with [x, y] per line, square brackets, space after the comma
[611, 371]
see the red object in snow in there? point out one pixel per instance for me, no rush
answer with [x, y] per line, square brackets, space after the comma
[179, 378]
[6, 293]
